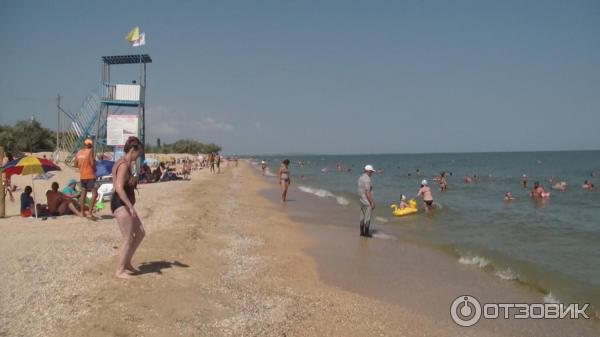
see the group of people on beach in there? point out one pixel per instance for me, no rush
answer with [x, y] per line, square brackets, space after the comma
[367, 202]
[58, 203]
[70, 200]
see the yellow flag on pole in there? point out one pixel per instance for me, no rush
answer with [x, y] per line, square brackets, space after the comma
[133, 35]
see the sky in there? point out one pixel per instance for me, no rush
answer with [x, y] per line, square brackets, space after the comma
[330, 77]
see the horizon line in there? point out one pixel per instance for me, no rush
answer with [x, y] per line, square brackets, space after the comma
[409, 153]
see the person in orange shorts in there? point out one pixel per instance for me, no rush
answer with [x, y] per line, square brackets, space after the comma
[87, 174]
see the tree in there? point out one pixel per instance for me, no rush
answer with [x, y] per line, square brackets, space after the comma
[187, 146]
[158, 143]
[27, 136]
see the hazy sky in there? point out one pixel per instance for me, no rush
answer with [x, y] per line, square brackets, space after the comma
[323, 76]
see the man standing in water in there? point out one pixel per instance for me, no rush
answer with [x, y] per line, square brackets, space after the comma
[367, 204]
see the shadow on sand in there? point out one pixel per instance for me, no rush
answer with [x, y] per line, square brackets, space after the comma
[158, 266]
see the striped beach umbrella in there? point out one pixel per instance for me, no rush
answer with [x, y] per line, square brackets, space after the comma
[29, 165]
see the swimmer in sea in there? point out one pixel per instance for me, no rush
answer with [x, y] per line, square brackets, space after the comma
[559, 185]
[588, 185]
[508, 196]
[442, 181]
[538, 191]
[425, 191]
[524, 181]
[468, 179]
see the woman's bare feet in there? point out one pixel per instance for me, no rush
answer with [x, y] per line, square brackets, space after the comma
[122, 274]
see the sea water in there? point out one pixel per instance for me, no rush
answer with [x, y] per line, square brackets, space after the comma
[552, 245]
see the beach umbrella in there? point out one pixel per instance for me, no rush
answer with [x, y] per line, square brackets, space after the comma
[104, 167]
[30, 165]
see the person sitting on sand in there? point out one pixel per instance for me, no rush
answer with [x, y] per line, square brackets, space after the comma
[508, 196]
[70, 190]
[425, 191]
[58, 203]
[146, 174]
[27, 202]
[157, 173]
[402, 204]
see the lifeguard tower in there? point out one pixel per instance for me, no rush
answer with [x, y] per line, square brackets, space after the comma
[110, 115]
[118, 97]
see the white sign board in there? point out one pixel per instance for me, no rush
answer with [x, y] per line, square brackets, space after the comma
[127, 92]
[119, 128]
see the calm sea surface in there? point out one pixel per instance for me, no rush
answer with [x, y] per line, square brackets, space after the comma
[552, 246]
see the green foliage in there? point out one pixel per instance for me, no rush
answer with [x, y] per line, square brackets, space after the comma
[184, 146]
[27, 136]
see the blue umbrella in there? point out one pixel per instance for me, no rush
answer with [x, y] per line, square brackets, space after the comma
[104, 167]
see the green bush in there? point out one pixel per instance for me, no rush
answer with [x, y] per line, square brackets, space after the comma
[27, 136]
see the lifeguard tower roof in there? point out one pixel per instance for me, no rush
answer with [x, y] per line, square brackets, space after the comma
[127, 59]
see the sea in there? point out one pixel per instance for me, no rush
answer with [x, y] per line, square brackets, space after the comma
[551, 246]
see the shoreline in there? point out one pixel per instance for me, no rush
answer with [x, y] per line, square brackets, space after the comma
[325, 227]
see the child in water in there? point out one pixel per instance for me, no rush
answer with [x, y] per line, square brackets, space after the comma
[402, 204]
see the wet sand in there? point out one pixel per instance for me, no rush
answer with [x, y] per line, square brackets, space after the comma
[219, 259]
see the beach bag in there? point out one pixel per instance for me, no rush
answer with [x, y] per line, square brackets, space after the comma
[26, 213]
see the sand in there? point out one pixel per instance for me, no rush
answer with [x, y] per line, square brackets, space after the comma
[219, 259]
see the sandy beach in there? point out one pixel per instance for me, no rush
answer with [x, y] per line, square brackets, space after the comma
[220, 259]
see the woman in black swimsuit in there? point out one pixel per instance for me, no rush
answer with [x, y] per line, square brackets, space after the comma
[121, 206]
[284, 178]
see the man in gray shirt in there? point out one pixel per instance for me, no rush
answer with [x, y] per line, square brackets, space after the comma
[367, 204]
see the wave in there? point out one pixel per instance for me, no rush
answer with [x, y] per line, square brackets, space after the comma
[269, 173]
[382, 235]
[550, 298]
[507, 274]
[478, 261]
[381, 219]
[324, 194]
